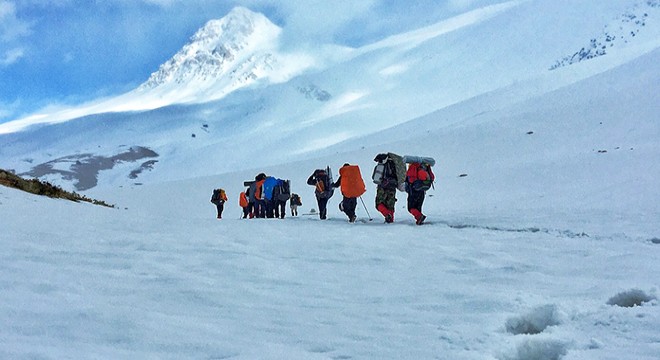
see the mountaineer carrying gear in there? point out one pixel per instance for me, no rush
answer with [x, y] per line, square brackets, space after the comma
[269, 186]
[259, 199]
[352, 186]
[419, 178]
[218, 198]
[322, 181]
[244, 203]
[389, 175]
[281, 194]
[294, 203]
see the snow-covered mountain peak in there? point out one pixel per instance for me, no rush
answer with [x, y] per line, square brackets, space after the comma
[235, 46]
[238, 23]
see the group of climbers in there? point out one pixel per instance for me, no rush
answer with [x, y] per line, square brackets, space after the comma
[266, 196]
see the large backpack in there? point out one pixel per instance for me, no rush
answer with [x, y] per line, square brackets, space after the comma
[296, 200]
[409, 159]
[283, 190]
[215, 197]
[418, 165]
[419, 177]
[323, 183]
[385, 174]
[252, 190]
[259, 189]
[352, 185]
[379, 173]
[390, 171]
[242, 200]
[218, 196]
[269, 186]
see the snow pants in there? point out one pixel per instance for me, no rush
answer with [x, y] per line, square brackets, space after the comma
[385, 201]
[279, 208]
[220, 206]
[250, 209]
[260, 208]
[323, 207]
[415, 202]
[270, 209]
[348, 206]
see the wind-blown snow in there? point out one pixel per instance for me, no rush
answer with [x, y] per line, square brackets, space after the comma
[416, 37]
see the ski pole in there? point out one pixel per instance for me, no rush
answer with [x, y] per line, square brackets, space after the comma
[365, 208]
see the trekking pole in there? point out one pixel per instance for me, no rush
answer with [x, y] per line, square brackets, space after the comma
[365, 208]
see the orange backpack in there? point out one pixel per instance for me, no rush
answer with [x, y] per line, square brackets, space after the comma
[242, 200]
[419, 176]
[352, 184]
[258, 193]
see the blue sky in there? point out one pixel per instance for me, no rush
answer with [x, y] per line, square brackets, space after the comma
[69, 51]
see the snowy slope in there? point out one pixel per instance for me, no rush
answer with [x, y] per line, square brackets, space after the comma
[589, 152]
[378, 86]
[113, 284]
[525, 258]
[532, 254]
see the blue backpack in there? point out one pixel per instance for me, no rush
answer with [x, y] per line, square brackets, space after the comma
[269, 185]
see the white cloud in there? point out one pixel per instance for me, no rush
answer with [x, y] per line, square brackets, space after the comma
[8, 109]
[325, 15]
[11, 28]
[315, 20]
[11, 56]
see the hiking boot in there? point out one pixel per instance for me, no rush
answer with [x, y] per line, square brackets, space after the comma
[389, 219]
[421, 219]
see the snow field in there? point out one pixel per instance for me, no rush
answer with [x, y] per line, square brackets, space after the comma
[536, 253]
[109, 284]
